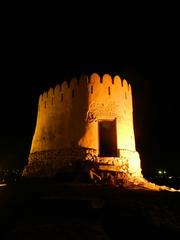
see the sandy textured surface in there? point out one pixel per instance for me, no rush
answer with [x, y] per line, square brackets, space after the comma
[52, 210]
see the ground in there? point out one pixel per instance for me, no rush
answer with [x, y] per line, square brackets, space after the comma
[48, 209]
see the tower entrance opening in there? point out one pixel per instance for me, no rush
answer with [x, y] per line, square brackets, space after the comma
[107, 138]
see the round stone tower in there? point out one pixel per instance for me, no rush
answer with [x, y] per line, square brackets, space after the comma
[87, 119]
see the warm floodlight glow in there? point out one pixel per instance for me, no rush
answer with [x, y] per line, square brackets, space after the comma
[88, 119]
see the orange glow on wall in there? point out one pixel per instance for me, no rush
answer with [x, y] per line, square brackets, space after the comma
[89, 118]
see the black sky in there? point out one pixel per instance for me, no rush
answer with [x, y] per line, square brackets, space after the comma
[143, 48]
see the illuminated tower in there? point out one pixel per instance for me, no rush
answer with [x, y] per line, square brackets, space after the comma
[90, 118]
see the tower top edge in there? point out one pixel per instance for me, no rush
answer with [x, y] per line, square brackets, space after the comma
[88, 78]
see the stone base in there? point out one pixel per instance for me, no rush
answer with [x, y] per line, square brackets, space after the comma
[48, 163]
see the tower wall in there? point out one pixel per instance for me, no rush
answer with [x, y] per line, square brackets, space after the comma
[68, 115]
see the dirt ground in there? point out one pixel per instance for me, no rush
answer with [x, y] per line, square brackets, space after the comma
[47, 209]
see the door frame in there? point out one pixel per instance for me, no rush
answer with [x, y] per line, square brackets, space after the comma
[115, 125]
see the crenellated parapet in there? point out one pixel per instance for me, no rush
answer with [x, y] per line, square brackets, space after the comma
[64, 92]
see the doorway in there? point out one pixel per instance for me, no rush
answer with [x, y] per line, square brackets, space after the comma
[107, 138]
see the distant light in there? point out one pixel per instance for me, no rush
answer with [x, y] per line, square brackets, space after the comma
[170, 177]
[3, 184]
[162, 172]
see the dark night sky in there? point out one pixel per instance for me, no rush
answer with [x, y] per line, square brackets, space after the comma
[144, 50]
